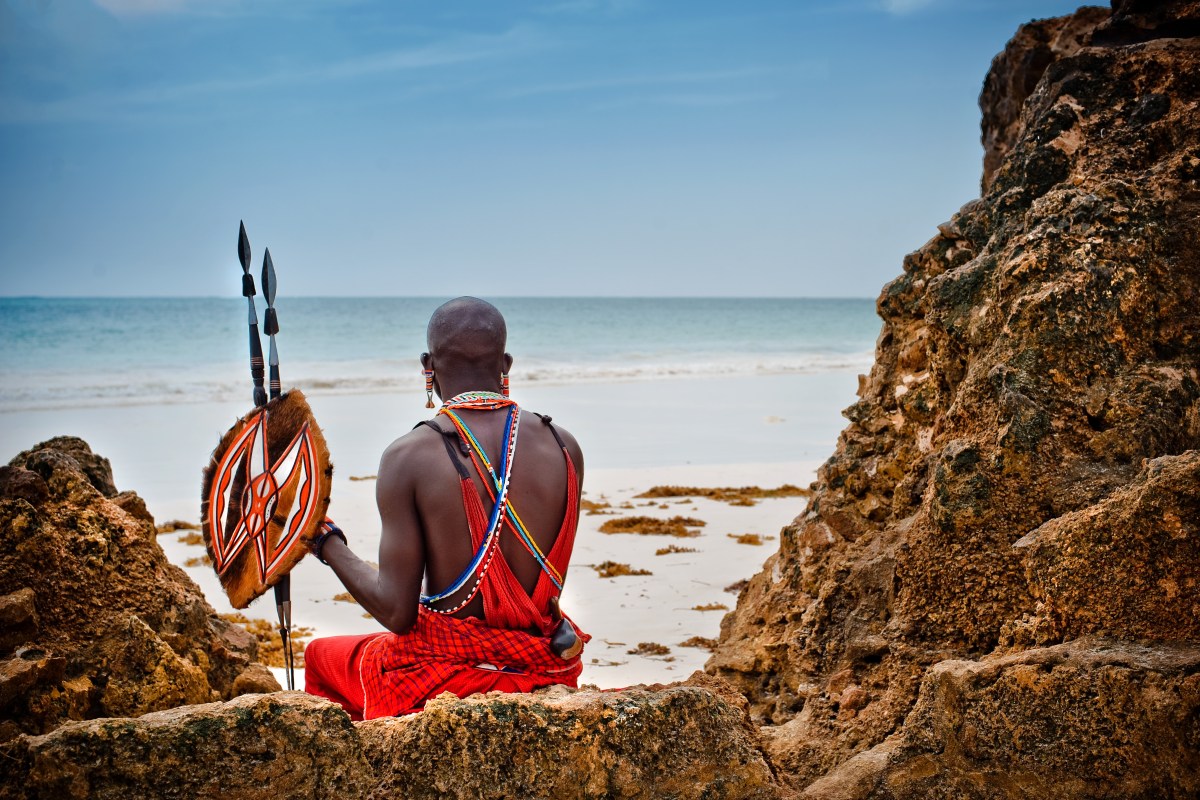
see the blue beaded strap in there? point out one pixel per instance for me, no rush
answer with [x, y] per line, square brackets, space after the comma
[511, 428]
[514, 519]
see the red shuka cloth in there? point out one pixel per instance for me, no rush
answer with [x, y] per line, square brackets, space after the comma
[388, 674]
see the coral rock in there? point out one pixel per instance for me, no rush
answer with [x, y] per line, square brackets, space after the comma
[1022, 467]
[255, 746]
[682, 740]
[134, 632]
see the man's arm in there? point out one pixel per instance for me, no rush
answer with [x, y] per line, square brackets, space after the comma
[390, 593]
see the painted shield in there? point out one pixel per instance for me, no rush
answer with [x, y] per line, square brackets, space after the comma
[265, 492]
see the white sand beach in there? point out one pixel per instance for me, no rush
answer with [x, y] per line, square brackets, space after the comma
[714, 432]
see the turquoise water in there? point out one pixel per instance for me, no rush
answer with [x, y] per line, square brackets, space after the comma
[79, 352]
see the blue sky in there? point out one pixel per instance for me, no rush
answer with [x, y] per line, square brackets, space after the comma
[572, 147]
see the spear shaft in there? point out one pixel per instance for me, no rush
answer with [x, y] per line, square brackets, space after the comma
[283, 587]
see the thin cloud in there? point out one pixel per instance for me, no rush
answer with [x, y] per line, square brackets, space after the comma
[449, 52]
[213, 8]
[135, 8]
[903, 7]
[591, 7]
[688, 100]
[601, 84]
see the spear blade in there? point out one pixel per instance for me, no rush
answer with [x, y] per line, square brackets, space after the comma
[244, 248]
[268, 279]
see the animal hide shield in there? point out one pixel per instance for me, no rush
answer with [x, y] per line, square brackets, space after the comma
[264, 494]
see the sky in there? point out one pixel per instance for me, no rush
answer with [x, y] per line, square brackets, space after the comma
[773, 148]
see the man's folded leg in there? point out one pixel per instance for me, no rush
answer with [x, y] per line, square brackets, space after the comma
[331, 670]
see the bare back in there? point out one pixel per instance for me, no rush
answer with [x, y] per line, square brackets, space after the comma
[425, 488]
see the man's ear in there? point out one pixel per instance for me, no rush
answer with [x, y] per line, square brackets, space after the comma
[508, 359]
[426, 361]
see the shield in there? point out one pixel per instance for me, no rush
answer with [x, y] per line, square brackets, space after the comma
[264, 494]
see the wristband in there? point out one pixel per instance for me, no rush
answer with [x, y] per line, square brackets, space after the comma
[319, 543]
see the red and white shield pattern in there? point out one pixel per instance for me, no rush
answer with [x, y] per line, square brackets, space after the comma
[257, 516]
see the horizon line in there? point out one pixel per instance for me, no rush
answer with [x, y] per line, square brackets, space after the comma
[439, 296]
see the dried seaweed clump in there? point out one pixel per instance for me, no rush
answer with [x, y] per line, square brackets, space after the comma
[735, 496]
[177, 525]
[703, 642]
[649, 649]
[748, 538]
[652, 526]
[673, 548]
[595, 507]
[612, 569]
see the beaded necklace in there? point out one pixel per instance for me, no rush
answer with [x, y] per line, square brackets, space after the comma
[486, 552]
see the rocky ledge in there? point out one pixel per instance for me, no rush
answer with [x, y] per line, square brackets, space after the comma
[683, 740]
[995, 589]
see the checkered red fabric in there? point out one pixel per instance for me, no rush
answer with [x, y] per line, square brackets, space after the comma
[400, 673]
[444, 653]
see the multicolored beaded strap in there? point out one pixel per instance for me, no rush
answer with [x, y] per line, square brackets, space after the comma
[478, 455]
[486, 552]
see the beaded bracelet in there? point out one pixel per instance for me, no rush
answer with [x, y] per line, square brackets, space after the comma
[318, 545]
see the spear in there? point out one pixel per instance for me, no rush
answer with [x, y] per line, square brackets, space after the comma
[256, 356]
[283, 587]
[271, 321]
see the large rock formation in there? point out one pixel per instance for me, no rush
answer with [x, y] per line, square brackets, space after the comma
[96, 621]
[996, 586]
[685, 740]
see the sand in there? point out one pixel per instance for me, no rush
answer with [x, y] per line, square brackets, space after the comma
[763, 431]
[620, 613]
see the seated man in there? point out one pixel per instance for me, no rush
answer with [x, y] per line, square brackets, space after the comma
[482, 503]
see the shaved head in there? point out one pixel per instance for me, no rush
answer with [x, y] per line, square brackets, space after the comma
[467, 330]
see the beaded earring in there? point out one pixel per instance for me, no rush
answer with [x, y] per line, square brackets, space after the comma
[504, 383]
[429, 388]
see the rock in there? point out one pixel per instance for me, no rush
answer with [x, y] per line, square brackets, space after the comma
[95, 468]
[18, 619]
[1015, 73]
[1020, 471]
[256, 679]
[1124, 723]
[683, 740]
[134, 631]
[144, 673]
[26, 669]
[1148, 532]
[20, 483]
[690, 739]
[255, 746]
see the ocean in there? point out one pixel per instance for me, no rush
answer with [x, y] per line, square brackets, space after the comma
[96, 352]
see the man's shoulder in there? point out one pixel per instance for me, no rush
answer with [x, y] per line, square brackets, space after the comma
[563, 435]
[413, 450]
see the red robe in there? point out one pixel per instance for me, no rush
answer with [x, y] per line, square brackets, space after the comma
[388, 674]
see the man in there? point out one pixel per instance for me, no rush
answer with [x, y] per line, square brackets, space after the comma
[482, 503]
